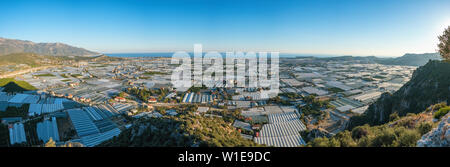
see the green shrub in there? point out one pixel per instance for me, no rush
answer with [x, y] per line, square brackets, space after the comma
[345, 139]
[407, 138]
[360, 131]
[320, 142]
[425, 127]
[441, 112]
[385, 139]
[394, 116]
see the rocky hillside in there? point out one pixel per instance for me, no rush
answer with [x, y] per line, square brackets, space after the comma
[399, 132]
[9, 46]
[439, 136]
[430, 84]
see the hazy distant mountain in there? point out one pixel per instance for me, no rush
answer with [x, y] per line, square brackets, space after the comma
[406, 60]
[410, 59]
[8, 46]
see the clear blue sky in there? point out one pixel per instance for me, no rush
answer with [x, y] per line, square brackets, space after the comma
[337, 27]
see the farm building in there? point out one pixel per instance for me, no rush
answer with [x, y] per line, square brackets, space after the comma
[283, 130]
[82, 123]
[243, 125]
[5, 97]
[198, 98]
[92, 126]
[285, 141]
[24, 98]
[17, 133]
[122, 107]
[47, 129]
[96, 139]
[38, 109]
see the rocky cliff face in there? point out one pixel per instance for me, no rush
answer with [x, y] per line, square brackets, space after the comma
[439, 136]
[430, 84]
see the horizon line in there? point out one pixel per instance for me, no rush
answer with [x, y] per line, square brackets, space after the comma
[281, 53]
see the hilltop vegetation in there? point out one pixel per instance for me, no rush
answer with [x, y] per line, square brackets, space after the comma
[12, 85]
[188, 130]
[399, 132]
[443, 111]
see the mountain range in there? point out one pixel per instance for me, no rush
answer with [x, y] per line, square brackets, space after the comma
[10, 46]
[408, 59]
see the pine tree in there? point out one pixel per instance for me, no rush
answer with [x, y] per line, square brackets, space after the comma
[444, 44]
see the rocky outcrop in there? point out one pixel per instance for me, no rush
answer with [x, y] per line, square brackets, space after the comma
[439, 136]
[314, 133]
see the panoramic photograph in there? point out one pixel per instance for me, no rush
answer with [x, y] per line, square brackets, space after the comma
[224, 74]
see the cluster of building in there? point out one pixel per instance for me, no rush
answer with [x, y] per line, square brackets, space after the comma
[92, 124]
[350, 85]
[81, 98]
[84, 96]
